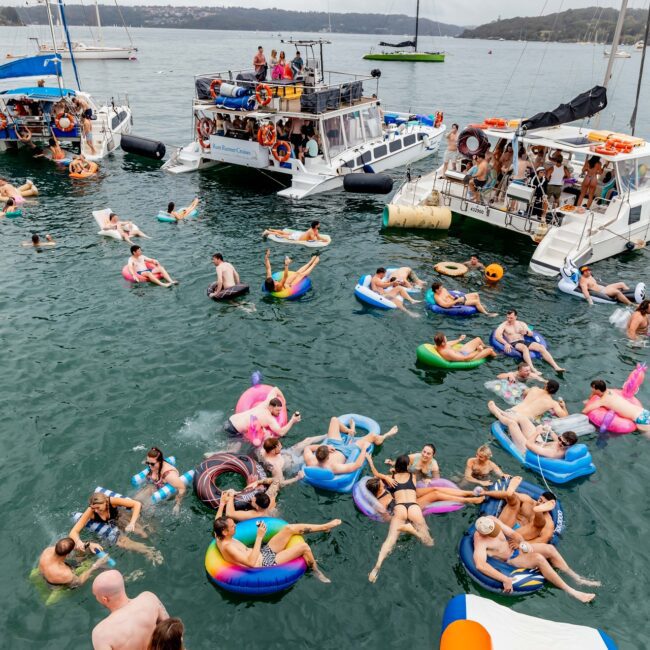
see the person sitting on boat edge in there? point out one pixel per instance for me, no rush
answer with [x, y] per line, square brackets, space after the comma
[639, 321]
[392, 289]
[493, 538]
[587, 284]
[524, 434]
[140, 272]
[272, 286]
[470, 351]
[272, 553]
[445, 300]
[227, 275]
[617, 403]
[56, 571]
[311, 234]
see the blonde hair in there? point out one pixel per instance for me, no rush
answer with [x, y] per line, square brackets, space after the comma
[274, 53]
[484, 449]
[98, 499]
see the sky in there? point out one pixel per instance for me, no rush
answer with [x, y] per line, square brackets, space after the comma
[458, 12]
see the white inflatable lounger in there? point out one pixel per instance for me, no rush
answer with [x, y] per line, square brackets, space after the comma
[510, 630]
[100, 217]
[297, 233]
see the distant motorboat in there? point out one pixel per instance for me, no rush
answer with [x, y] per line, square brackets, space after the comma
[620, 54]
[639, 45]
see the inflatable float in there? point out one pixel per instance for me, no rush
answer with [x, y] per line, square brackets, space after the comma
[13, 214]
[365, 294]
[289, 293]
[366, 502]
[250, 398]
[474, 623]
[525, 581]
[297, 233]
[325, 479]
[225, 294]
[452, 269]
[577, 461]
[428, 355]
[126, 274]
[569, 284]
[609, 421]
[104, 530]
[100, 217]
[165, 217]
[535, 338]
[256, 581]
[88, 173]
[458, 310]
[167, 490]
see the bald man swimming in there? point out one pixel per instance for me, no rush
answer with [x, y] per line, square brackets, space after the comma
[131, 621]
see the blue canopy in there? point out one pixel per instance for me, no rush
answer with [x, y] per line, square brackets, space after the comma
[38, 93]
[32, 66]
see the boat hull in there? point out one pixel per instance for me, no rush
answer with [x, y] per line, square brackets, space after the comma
[95, 54]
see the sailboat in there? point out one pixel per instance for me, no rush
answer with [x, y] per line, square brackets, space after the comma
[407, 55]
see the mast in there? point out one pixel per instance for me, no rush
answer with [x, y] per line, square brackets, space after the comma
[50, 20]
[99, 23]
[638, 85]
[612, 55]
[417, 20]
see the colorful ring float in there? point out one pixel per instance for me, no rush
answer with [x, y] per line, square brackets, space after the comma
[289, 293]
[256, 581]
[91, 171]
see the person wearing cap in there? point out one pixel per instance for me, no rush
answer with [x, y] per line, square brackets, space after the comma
[539, 204]
[494, 539]
[588, 284]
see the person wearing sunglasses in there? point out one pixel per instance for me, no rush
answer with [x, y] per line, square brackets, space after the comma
[160, 473]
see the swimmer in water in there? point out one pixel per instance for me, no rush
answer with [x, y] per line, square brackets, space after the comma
[311, 234]
[140, 272]
[495, 539]
[263, 504]
[406, 277]
[474, 264]
[9, 206]
[286, 281]
[37, 242]
[479, 467]
[53, 566]
[638, 324]
[523, 374]
[57, 154]
[183, 212]
[161, 473]
[281, 461]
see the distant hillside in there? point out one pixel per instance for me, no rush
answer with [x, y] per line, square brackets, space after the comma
[594, 24]
[9, 16]
[238, 18]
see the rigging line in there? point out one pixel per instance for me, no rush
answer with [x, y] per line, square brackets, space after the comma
[638, 86]
[126, 29]
[90, 29]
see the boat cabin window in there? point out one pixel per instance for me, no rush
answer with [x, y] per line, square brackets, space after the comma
[353, 129]
[380, 152]
[635, 215]
[626, 174]
[372, 121]
[395, 145]
[409, 140]
[643, 173]
[334, 134]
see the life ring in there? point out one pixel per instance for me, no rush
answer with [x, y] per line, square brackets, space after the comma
[263, 94]
[204, 128]
[472, 132]
[281, 144]
[93, 167]
[67, 116]
[452, 269]
[606, 150]
[438, 121]
[3, 121]
[266, 135]
[207, 472]
[497, 122]
[620, 145]
[214, 84]
[23, 138]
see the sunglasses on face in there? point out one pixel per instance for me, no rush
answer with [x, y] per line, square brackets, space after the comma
[151, 463]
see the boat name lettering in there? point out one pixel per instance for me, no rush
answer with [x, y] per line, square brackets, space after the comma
[237, 150]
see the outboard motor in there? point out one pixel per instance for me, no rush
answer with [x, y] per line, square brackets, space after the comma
[143, 147]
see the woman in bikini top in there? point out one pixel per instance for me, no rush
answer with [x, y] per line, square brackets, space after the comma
[159, 468]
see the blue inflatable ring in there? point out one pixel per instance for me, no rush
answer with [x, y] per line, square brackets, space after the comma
[459, 310]
[165, 217]
[535, 338]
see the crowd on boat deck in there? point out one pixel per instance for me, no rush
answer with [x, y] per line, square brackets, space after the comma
[278, 65]
[552, 174]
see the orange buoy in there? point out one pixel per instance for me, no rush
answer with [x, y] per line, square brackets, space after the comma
[465, 635]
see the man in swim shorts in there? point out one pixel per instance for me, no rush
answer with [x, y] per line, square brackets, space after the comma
[332, 455]
[445, 300]
[140, 272]
[263, 504]
[227, 275]
[391, 289]
[538, 401]
[588, 284]
[266, 414]
[406, 277]
[280, 461]
[523, 374]
[529, 517]
[470, 351]
[494, 539]
[451, 153]
[617, 403]
[272, 553]
[53, 565]
[511, 335]
[311, 234]
[131, 621]
[478, 181]
[286, 281]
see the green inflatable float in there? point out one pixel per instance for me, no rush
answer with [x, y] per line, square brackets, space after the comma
[428, 355]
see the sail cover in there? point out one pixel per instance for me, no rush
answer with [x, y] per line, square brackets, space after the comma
[32, 66]
[585, 105]
[402, 44]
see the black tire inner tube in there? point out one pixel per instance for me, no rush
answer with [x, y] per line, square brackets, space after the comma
[464, 138]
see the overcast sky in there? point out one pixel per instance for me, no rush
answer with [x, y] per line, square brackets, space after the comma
[459, 12]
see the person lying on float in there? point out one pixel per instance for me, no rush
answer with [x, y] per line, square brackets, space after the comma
[470, 351]
[587, 284]
[445, 300]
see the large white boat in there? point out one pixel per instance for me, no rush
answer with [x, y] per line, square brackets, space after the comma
[239, 120]
[31, 114]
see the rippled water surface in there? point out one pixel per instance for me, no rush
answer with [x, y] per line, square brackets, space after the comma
[94, 371]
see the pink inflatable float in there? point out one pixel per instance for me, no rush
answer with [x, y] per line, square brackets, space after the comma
[126, 274]
[608, 420]
[250, 398]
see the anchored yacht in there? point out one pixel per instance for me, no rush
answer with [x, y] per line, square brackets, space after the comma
[244, 121]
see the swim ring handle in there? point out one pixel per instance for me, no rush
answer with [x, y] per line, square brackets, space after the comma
[256, 378]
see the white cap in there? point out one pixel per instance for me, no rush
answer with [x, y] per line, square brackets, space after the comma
[541, 168]
[485, 525]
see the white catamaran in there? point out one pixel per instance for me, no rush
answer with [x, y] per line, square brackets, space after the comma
[314, 128]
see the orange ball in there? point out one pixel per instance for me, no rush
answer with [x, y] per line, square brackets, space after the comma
[465, 635]
[494, 272]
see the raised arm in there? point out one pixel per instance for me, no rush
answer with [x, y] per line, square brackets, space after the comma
[78, 527]
[131, 504]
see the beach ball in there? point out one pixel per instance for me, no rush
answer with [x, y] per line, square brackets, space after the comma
[65, 123]
[494, 272]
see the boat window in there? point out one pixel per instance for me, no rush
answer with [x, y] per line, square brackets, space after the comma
[372, 121]
[334, 135]
[353, 129]
[379, 152]
[643, 173]
[626, 175]
[635, 215]
[395, 145]
[409, 140]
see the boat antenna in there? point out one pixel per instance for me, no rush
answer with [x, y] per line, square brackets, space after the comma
[417, 20]
[67, 38]
[638, 85]
[612, 54]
